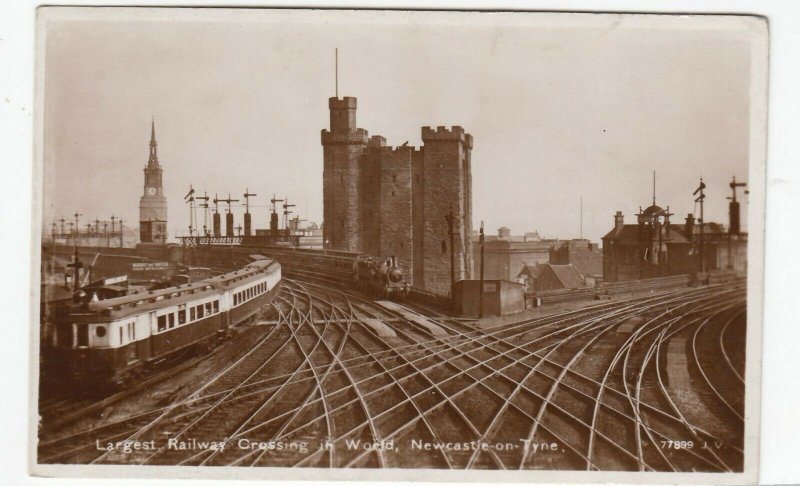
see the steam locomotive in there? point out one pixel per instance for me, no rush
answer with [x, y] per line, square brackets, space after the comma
[378, 277]
[109, 342]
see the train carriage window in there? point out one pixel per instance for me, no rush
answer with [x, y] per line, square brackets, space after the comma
[171, 318]
[192, 315]
[121, 337]
[132, 331]
[216, 306]
[162, 323]
[82, 335]
[182, 317]
[208, 308]
[199, 311]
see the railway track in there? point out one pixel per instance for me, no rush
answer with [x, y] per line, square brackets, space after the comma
[594, 388]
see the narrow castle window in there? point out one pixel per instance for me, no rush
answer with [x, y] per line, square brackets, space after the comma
[392, 193]
[394, 178]
[444, 246]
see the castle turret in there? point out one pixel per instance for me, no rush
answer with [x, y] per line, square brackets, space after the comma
[343, 147]
[447, 172]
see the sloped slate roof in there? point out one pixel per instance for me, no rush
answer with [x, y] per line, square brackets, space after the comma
[532, 270]
[568, 275]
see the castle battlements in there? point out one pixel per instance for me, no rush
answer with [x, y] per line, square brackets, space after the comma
[376, 141]
[388, 200]
[359, 136]
[348, 102]
[456, 133]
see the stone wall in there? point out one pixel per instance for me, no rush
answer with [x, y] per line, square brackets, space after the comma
[343, 149]
[444, 160]
[395, 208]
[393, 201]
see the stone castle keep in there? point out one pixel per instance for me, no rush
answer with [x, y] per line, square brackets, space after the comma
[384, 201]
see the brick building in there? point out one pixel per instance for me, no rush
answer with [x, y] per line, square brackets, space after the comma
[585, 256]
[636, 251]
[507, 254]
[654, 247]
[385, 201]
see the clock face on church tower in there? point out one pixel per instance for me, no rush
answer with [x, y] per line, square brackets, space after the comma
[151, 191]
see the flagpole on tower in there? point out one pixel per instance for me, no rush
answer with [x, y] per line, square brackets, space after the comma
[337, 73]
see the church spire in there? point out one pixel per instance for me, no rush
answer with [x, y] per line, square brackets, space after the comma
[153, 133]
[153, 145]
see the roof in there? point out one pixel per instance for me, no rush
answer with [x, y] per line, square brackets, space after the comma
[568, 275]
[532, 270]
[652, 210]
[630, 232]
[141, 302]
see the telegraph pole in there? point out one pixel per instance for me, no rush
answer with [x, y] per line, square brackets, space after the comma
[216, 217]
[205, 206]
[247, 224]
[273, 218]
[482, 242]
[229, 215]
[734, 226]
[77, 228]
[700, 199]
[189, 197]
[286, 213]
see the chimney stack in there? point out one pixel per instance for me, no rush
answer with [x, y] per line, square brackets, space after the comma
[619, 220]
[689, 228]
[733, 209]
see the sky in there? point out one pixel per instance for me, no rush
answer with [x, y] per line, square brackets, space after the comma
[561, 107]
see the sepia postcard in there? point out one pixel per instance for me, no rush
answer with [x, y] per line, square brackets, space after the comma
[398, 245]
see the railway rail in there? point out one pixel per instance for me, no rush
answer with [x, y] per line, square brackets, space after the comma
[595, 388]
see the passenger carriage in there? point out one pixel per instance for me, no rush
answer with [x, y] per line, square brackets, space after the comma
[111, 341]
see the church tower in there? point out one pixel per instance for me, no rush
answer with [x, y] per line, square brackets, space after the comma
[153, 203]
